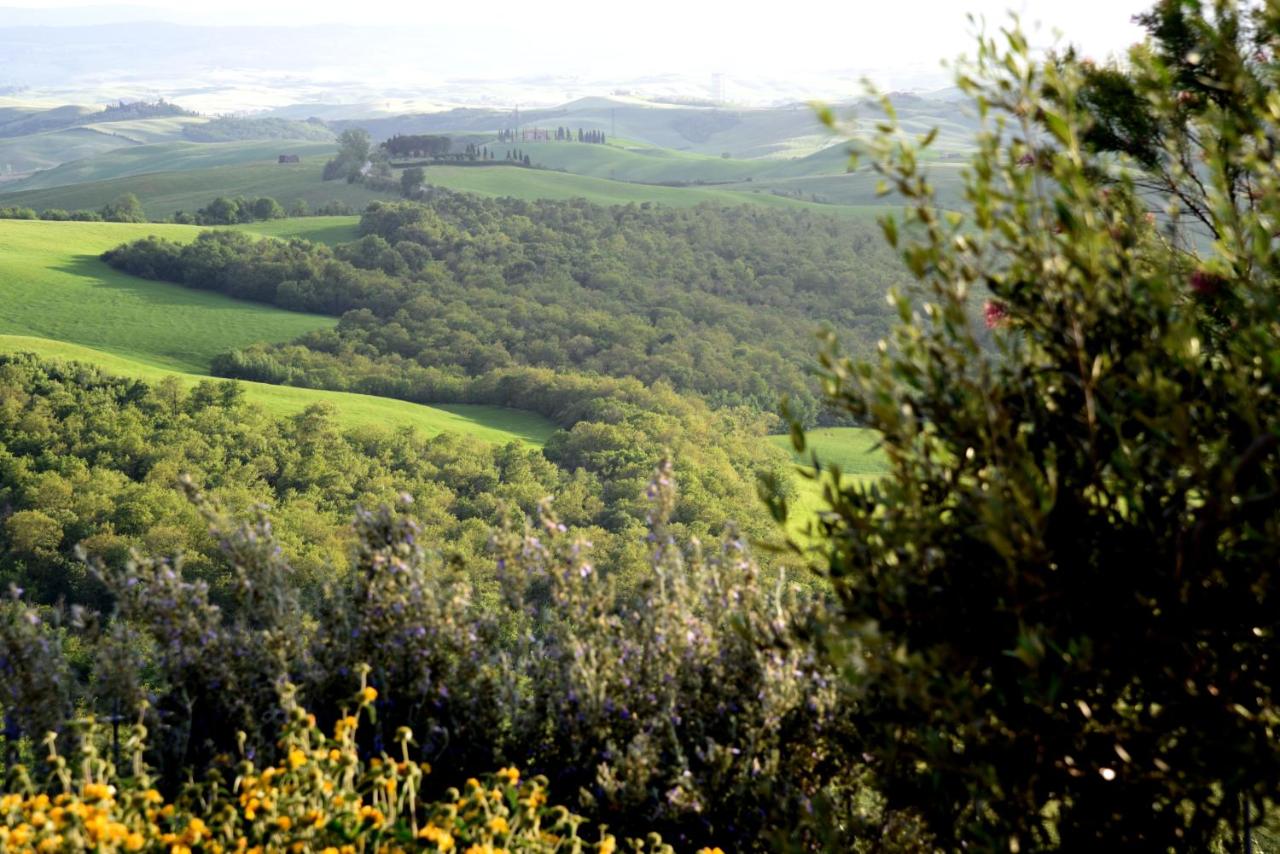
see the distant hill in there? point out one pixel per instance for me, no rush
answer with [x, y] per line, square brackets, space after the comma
[169, 157]
[234, 129]
[165, 193]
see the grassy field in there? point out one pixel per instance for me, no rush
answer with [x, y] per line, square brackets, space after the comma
[52, 285]
[547, 184]
[851, 448]
[165, 193]
[318, 229]
[488, 423]
[25, 154]
[635, 162]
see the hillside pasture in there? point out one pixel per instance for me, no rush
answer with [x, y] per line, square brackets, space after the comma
[52, 285]
[318, 229]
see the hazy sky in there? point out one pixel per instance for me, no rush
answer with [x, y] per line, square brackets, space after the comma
[683, 36]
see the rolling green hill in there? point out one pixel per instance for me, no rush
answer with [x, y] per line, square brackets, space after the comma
[169, 157]
[165, 193]
[546, 184]
[58, 300]
[635, 162]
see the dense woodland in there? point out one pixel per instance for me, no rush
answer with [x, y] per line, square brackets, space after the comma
[722, 302]
[92, 461]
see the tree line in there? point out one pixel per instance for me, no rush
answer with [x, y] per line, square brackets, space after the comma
[560, 134]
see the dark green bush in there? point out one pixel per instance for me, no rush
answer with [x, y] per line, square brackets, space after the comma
[1060, 611]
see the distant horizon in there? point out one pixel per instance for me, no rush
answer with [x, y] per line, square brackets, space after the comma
[560, 52]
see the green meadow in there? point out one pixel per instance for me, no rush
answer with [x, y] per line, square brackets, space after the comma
[522, 183]
[58, 300]
[52, 285]
[853, 449]
[318, 229]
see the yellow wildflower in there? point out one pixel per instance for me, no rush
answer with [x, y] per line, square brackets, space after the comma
[368, 695]
[607, 845]
[498, 825]
[284, 822]
[98, 791]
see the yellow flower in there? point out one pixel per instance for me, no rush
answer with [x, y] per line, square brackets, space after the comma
[511, 775]
[440, 836]
[297, 758]
[134, 841]
[98, 791]
[284, 822]
[368, 695]
[607, 845]
[499, 825]
[716, 850]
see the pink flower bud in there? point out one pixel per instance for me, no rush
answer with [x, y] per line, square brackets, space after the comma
[995, 314]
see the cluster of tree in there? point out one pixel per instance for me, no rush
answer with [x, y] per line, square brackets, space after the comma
[229, 211]
[92, 461]
[717, 301]
[124, 208]
[560, 134]
[128, 110]
[417, 145]
[355, 150]
[235, 128]
[519, 157]
[51, 214]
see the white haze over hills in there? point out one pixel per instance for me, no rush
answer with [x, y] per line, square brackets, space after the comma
[384, 57]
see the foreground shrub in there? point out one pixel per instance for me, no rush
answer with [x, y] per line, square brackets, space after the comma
[320, 795]
[1060, 609]
[688, 704]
